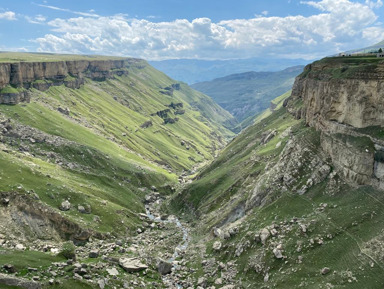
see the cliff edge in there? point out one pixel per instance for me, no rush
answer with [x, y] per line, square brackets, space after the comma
[343, 98]
[16, 78]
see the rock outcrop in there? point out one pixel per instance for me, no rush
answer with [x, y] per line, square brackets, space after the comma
[42, 75]
[344, 100]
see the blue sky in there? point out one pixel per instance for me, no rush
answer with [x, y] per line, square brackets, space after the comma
[198, 29]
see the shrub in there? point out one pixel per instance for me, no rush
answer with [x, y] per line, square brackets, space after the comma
[68, 251]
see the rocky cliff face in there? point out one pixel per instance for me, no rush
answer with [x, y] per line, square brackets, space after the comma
[42, 75]
[343, 98]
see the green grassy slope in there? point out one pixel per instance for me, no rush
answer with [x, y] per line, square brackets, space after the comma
[100, 154]
[344, 225]
[247, 94]
[49, 57]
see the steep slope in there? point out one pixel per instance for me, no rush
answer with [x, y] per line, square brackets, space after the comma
[247, 94]
[97, 132]
[295, 201]
[83, 141]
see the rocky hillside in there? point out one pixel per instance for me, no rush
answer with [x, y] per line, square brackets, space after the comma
[83, 140]
[296, 200]
[248, 94]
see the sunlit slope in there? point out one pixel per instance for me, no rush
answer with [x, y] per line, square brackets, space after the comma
[107, 143]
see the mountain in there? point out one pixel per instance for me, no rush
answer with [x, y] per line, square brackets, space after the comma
[368, 49]
[193, 70]
[247, 94]
[296, 200]
[83, 140]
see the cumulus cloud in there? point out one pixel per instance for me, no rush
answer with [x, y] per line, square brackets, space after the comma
[339, 23]
[9, 15]
[373, 4]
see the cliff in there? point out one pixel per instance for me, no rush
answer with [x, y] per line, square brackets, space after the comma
[17, 77]
[343, 98]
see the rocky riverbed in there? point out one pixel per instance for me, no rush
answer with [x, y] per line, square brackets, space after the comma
[152, 258]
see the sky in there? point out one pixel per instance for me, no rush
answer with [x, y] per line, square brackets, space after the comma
[191, 29]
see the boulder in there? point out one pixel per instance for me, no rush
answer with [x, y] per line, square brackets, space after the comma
[93, 254]
[325, 271]
[112, 271]
[264, 235]
[164, 267]
[278, 253]
[132, 264]
[65, 206]
[217, 246]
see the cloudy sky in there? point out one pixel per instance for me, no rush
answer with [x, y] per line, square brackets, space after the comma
[194, 29]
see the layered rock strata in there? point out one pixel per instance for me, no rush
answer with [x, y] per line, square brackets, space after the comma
[22, 76]
[345, 101]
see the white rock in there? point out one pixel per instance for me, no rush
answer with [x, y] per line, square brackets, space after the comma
[112, 271]
[264, 235]
[132, 264]
[217, 246]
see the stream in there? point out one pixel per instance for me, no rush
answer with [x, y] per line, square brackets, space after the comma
[182, 246]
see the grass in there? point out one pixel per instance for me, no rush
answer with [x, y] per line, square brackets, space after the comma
[230, 172]
[8, 89]
[101, 153]
[341, 67]
[21, 260]
[11, 57]
[352, 218]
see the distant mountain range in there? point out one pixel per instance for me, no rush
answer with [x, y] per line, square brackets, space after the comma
[193, 71]
[371, 48]
[247, 94]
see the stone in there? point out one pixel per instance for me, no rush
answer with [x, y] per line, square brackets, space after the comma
[5, 201]
[93, 254]
[20, 247]
[217, 246]
[217, 232]
[9, 268]
[81, 209]
[219, 281]
[325, 271]
[101, 284]
[266, 277]
[201, 281]
[264, 235]
[303, 228]
[65, 206]
[65, 111]
[112, 271]
[164, 267]
[278, 253]
[132, 264]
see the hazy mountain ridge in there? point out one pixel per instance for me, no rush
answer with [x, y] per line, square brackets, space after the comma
[193, 71]
[247, 94]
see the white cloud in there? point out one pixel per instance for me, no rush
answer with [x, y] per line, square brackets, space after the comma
[373, 4]
[38, 19]
[340, 24]
[86, 14]
[9, 15]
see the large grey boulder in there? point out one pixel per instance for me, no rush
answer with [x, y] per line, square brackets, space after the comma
[132, 264]
[164, 267]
